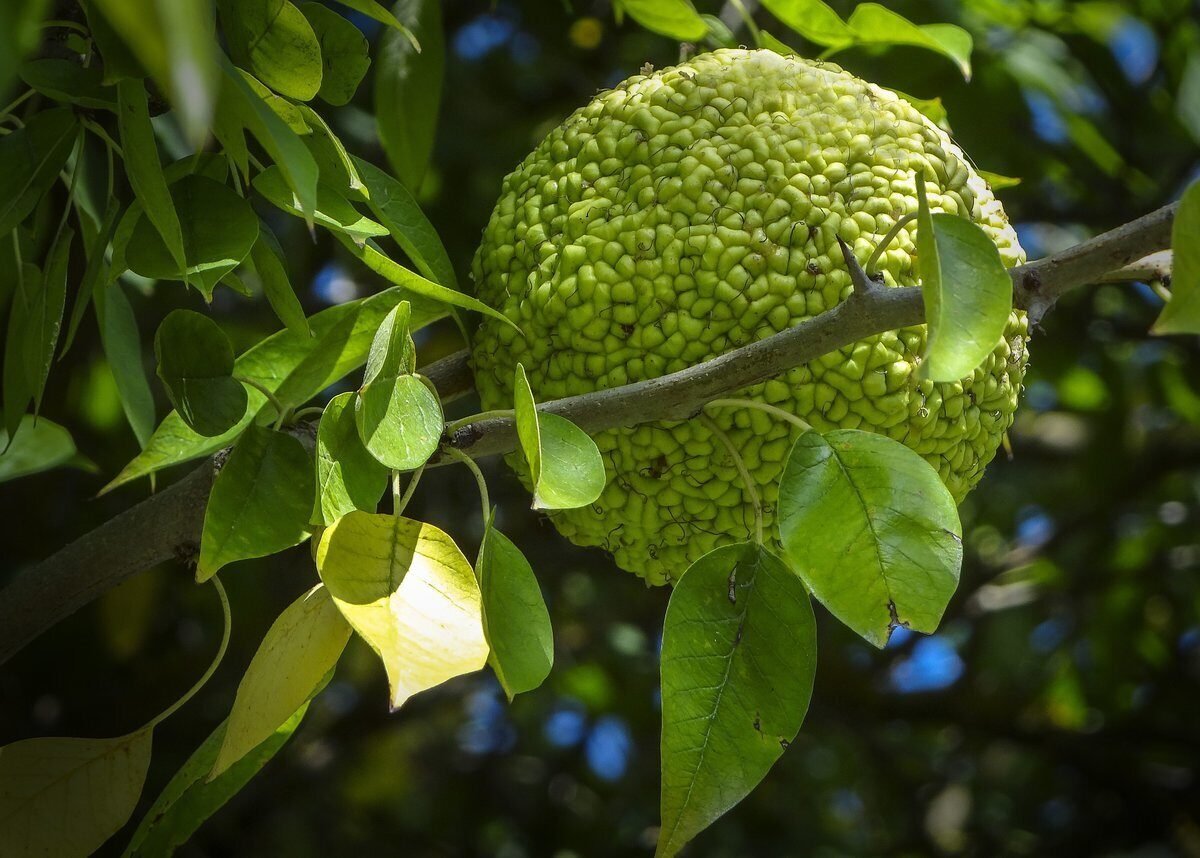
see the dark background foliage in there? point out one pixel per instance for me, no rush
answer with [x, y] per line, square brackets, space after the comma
[1057, 712]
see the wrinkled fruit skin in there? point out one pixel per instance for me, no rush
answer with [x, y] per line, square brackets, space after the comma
[694, 210]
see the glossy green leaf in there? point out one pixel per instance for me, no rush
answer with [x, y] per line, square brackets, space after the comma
[931, 108]
[300, 649]
[408, 89]
[409, 592]
[288, 111]
[529, 431]
[260, 501]
[266, 257]
[873, 24]
[69, 82]
[335, 164]
[392, 350]
[64, 797]
[869, 526]
[121, 341]
[374, 10]
[739, 655]
[348, 476]
[195, 364]
[998, 182]
[966, 289]
[37, 445]
[812, 19]
[144, 169]
[516, 623]
[20, 29]
[675, 19]
[1182, 313]
[45, 316]
[219, 228]
[397, 209]
[399, 421]
[32, 157]
[333, 211]
[345, 53]
[275, 42]
[189, 798]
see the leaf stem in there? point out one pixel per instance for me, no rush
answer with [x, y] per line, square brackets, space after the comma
[761, 406]
[747, 482]
[473, 467]
[280, 411]
[400, 501]
[99, 131]
[308, 412]
[888, 239]
[16, 102]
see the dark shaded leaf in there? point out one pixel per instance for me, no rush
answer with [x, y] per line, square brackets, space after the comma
[408, 89]
[195, 364]
[344, 53]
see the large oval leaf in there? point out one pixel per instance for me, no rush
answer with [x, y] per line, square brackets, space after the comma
[333, 211]
[738, 659]
[675, 19]
[274, 40]
[195, 363]
[409, 592]
[869, 526]
[345, 54]
[399, 421]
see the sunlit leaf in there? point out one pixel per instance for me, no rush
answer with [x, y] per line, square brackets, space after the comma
[376, 11]
[408, 89]
[344, 53]
[38, 445]
[812, 19]
[348, 476]
[739, 655]
[300, 649]
[266, 257]
[32, 156]
[69, 82]
[64, 797]
[399, 421]
[275, 42]
[333, 211]
[392, 351]
[872, 23]
[998, 182]
[195, 363]
[409, 592]
[260, 501]
[869, 526]
[337, 168]
[288, 111]
[1182, 313]
[675, 19]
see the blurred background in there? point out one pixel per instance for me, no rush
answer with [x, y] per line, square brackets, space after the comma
[1057, 711]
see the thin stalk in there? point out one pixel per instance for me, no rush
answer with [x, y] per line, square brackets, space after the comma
[399, 502]
[761, 406]
[99, 131]
[460, 456]
[747, 482]
[887, 239]
[280, 411]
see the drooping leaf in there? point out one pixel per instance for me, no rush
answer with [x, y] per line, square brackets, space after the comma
[345, 53]
[266, 257]
[190, 798]
[20, 29]
[300, 650]
[399, 420]
[812, 19]
[144, 169]
[32, 157]
[65, 797]
[37, 445]
[219, 228]
[348, 476]
[336, 167]
[195, 364]
[393, 352]
[45, 316]
[409, 592]
[333, 211]
[376, 11]
[516, 623]
[288, 111]
[96, 274]
[275, 42]
[408, 89]
[675, 19]
[872, 23]
[869, 526]
[70, 83]
[17, 390]
[1182, 313]
[121, 341]
[739, 656]
[260, 501]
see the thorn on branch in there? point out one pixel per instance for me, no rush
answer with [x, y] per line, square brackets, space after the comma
[863, 284]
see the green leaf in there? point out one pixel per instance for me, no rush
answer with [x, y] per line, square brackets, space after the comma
[260, 501]
[336, 168]
[812, 19]
[931, 108]
[144, 169]
[300, 650]
[121, 341]
[345, 53]
[195, 363]
[408, 89]
[374, 10]
[20, 30]
[873, 24]
[32, 157]
[516, 623]
[392, 350]
[266, 258]
[219, 228]
[45, 316]
[274, 40]
[95, 274]
[399, 421]
[37, 445]
[675, 19]
[69, 82]
[333, 211]
[348, 476]
[739, 655]
[17, 390]
[189, 798]
[307, 365]
[996, 181]
[409, 592]
[397, 210]
[1182, 313]
[117, 61]
[65, 797]
[286, 110]
[869, 526]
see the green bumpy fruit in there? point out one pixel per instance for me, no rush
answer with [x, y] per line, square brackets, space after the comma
[694, 210]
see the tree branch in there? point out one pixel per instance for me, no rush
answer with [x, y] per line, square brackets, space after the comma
[167, 523]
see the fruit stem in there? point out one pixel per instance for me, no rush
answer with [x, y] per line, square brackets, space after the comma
[761, 406]
[887, 240]
[400, 501]
[747, 482]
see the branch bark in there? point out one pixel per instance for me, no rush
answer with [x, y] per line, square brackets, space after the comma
[166, 524]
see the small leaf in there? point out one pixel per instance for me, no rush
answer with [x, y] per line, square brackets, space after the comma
[266, 257]
[69, 82]
[348, 476]
[144, 169]
[874, 24]
[45, 316]
[274, 40]
[869, 526]
[408, 89]
[300, 650]
[333, 211]
[345, 54]
[219, 228]
[392, 350]
[189, 798]
[260, 501]
[37, 445]
[195, 363]
[65, 797]
[675, 19]
[96, 274]
[739, 655]
[336, 167]
[1182, 313]
[32, 157]
[122, 342]
[812, 19]
[996, 181]
[399, 421]
[409, 592]
[516, 623]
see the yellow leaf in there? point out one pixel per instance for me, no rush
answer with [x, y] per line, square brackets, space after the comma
[407, 589]
[300, 648]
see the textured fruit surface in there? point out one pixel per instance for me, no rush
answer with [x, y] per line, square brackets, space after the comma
[691, 211]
